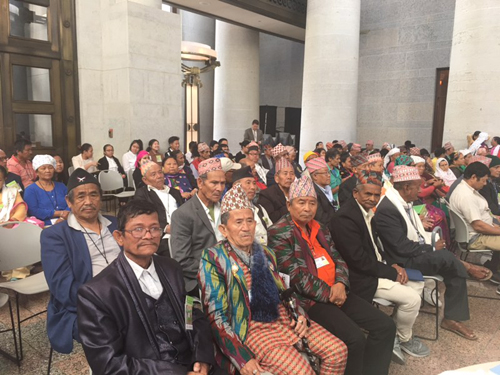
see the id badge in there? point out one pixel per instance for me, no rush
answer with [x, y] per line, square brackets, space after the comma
[188, 311]
[321, 262]
[250, 295]
[286, 279]
[158, 158]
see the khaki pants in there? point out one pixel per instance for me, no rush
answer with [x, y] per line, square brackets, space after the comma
[486, 242]
[407, 299]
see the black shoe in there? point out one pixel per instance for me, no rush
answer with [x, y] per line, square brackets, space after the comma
[495, 279]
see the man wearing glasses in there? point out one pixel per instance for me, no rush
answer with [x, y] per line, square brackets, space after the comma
[135, 317]
[73, 252]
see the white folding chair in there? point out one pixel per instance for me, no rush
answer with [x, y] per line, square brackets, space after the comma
[20, 247]
[112, 181]
[462, 235]
[71, 170]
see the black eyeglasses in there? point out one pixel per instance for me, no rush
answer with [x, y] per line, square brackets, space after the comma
[140, 232]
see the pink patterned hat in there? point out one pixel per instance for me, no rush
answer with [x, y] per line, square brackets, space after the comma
[209, 165]
[316, 164]
[356, 146]
[373, 158]
[404, 173]
[358, 160]
[278, 150]
[235, 199]
[342, 142]
[482, 159]
[146, 166]
[203, 147]
[282, 163]
[414, 151]
[302, 187]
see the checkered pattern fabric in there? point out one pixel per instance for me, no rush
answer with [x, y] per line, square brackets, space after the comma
[373, 158]
[235, 199]
[302, 187]
[403, 173]
[278, 150]
[209, 165]
[203, 147]
[414, 151]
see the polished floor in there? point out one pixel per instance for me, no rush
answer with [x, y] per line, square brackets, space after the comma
[449, 352]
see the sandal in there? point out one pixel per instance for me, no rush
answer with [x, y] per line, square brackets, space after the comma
[479, 273]
[458, 328]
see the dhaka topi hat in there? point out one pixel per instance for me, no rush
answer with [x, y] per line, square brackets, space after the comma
[316, 164]
[403, 160]
[373, 158]
[40, 160]
[209, 165]
[281, 164]
[278, 150]
[253, 146]
[81, 177]
[482, 159]
[343, 144]
[302, 187]
[358, 160]
[245, 172]
[404, 173]
[356, 146]
[235, 199]
[146, 166]
[369, 177]
[203, 147]
[228, 165]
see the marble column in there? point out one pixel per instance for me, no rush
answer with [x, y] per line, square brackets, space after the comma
[474, 83]
[236, 96]
[201, 29]
[330, 87]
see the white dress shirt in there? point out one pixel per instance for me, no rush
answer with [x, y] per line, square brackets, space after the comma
[148, 278]
[128, 161]
[215, 224]
[168, 201]
[255, 135]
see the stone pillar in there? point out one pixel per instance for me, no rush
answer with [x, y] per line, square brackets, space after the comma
[201, 29]
[236, 97]
[474, 83]
[129, 73]
[330, 88]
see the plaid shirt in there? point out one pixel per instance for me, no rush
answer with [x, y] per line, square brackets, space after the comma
[296, 260]
[27, 173]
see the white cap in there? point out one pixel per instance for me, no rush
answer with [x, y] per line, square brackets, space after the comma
[227, 165]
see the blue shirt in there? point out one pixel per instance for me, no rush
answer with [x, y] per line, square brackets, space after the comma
[42, 204]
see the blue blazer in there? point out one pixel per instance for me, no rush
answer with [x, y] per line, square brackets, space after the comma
[67, 266]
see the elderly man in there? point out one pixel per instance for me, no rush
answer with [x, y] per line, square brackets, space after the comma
[11, 179]
[254, 133]
[254, 157]
[320, 175]
[246, 179]
[20, 163]
[195, 224]
[292, 155]
[358, 163]
[370, 275]
[408, 244]
[467, 201]
[241, 290]
[274, 198]
[306, 254]
[355, 149]
[73, 252]
[278, 152]
[165, 199]
[369, 147]
[150, 324]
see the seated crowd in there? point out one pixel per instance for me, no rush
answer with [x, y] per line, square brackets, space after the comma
[251, 263]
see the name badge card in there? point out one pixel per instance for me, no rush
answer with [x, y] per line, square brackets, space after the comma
[321, 262]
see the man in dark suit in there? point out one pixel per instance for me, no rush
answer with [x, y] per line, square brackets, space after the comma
[273, 199]
[370, 275]
[359, 163]
[165, 199]
[407, 243]
[195, 224]
[73, 252]
[135, 316]
[267, 160]
[254, 133]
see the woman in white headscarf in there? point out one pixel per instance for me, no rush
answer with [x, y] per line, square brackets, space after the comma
[390, 158]
[444, 172]
[478, 143]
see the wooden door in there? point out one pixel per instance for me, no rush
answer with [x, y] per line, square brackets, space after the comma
[442, 76]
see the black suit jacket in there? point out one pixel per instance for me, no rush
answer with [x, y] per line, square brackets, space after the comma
[143, 193]
[274, 201]
[391, 227]
[346, 188]
[490, 194]
[265, 163]
[103, 165]
[117, 335]
[14, 177]
[352, 239]
[325, 211]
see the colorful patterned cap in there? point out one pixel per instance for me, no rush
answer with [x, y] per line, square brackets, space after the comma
[342, 142]
[403, 160]
[403, 173]
[40, 160]
[235, 199]
[228, 165]
[358, 160]
[369, 177]
[302, 187]
[316, 164]
[253, 146]
[278, 150]
[356, 146]
[209, 165]
[482, 159]
[281, 164]
[373, 158]
[414, 151]
[146, 166]
[448, 146]
[203, 147]
[329, 145]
